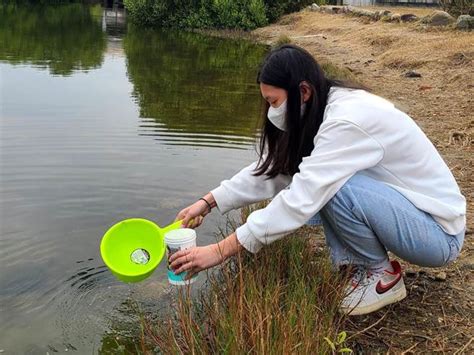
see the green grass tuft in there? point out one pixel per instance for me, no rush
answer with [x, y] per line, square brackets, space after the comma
[283, 39]
[281, 300]
[333, 71]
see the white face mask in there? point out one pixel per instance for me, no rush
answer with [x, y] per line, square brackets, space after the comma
[277, 115]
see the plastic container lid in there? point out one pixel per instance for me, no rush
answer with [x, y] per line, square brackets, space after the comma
[180, 236]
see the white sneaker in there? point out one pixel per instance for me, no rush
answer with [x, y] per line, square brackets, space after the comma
[370, 291]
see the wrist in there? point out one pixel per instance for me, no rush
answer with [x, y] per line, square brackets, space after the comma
[228, 246]
[207, 205]
[210, 198]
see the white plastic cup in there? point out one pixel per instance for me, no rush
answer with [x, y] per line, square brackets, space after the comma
[176, 240]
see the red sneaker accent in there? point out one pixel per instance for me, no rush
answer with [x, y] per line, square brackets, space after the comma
[397, 270]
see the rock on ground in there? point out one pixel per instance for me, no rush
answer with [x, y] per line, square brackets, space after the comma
[395, 18]
[465, 22]
[361, 12]
[441, 276]
[409, 18]
[438, 18]
[314, 7]
[412, 74]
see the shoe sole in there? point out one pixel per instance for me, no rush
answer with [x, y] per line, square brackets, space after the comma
[392, 298]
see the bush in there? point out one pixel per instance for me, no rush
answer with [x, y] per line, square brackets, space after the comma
[239, 14]
[277, 8]
[458, 7]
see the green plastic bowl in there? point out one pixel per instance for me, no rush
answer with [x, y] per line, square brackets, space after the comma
[133, 248]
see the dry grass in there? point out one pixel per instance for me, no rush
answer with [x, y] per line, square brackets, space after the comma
[282, 300]
[435, 48]
[418, 11]
[406, 45]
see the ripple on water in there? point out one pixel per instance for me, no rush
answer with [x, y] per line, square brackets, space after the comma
[181, 137]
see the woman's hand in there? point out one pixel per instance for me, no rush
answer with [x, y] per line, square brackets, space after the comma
[193, 215]
[195, 259]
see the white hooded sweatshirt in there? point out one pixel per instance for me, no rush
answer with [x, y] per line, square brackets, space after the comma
[361, 133]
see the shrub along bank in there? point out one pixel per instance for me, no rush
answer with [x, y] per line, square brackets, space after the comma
[235, 14]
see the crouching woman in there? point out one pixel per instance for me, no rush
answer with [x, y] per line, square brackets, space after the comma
[333, 153]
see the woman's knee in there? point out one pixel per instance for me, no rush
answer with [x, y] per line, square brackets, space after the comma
[441, 252]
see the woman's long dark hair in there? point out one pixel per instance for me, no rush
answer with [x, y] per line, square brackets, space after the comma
[286, 67]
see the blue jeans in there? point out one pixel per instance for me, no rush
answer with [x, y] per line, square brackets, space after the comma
[366, 218]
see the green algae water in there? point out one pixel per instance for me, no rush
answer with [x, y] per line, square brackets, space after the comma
[100, 122]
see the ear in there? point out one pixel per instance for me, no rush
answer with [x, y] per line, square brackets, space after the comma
[305, 91]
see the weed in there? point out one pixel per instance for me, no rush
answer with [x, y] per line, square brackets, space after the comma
[284, 299]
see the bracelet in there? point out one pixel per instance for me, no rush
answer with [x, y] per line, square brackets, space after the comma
[207, 203]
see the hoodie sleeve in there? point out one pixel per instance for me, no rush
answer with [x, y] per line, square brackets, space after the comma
[244, 188]
[341, 149]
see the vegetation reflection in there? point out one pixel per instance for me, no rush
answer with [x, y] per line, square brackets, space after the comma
[62, 38]
[202, 89]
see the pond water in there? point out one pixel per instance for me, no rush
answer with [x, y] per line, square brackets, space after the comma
[101, 121]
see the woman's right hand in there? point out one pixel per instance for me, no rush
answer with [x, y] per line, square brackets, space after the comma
[193, 215]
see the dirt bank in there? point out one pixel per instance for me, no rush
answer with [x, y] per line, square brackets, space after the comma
[437, 314]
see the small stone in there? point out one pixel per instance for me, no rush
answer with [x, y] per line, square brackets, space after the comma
[408, 17]
[465, 22]
[381, 14]
[438, 18]
[441, 276]
[314, 7]
[410, 272]
[424, 87]
[361, 12]
[368, 13]
[412, 74]
[326, 9]
[395, 18]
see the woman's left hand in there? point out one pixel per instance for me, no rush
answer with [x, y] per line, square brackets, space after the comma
[195, 259]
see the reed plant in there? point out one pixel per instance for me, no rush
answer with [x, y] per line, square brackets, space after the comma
[282, 300]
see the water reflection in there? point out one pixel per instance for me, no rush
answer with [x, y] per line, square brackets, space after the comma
[81, 149]
[61, 38]
[194, 90]
[114, 22]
